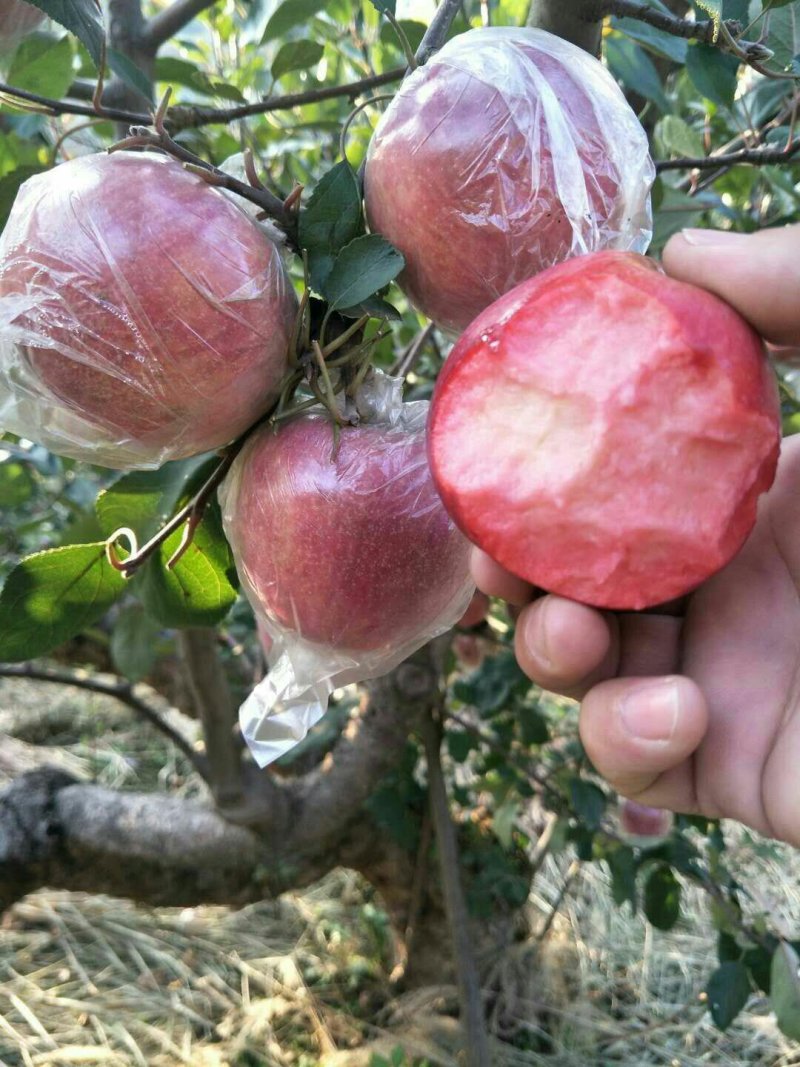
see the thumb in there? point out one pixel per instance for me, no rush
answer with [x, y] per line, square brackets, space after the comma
[758, 274]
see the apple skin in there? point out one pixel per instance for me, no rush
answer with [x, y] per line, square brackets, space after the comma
[16, 19]
[509, 151]
[355, 552]
[604, 432]
[153, 315]
[638, 821]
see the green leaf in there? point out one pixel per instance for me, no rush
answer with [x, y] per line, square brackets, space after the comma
[144, 500]
[492, 685]
[459, 745]
[16, 484]
[374, 306]
[175, 71]
[533, 726]
[42, 64]
[655, 40]
[728, 990]
[9, 187]
[678, 137]
[634, 68]
[783, 35]
[385, 6]
[54, 595]
[332, 216]
[81, 17]
[134, 642]
[622, 865]
[413, 30]
[662, 897]
[713, 73]
[291, 13]
[588, 802]
[199, 590]
[127, 70]
[503, 822]
[785, 990]
[362, 268]
[296, 55]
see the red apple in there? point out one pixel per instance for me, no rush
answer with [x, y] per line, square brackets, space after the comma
[508, 152]
[639, 821]
[16, 19]
[151, 315]
[604, 432]
[354, 550]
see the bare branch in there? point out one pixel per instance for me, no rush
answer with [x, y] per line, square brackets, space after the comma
[436, 33]
[759, 157]
[469, 990]
[167, 23]
[119, 689]
[182, 118]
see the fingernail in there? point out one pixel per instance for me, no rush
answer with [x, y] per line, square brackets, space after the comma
[537, 633]
[711, 238]
[650, 712]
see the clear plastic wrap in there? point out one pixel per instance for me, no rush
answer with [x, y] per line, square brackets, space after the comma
[143, 315]
[509, 151]
[17, 18]
[348, 558]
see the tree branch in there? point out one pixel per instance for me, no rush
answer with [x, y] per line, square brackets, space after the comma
[120, 690]
[578, 21]
[759, 157]
[705, 31]
[469, 989]
[436, 33]
[167, 23]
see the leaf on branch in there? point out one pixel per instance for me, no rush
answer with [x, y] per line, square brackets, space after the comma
[54, 595]
[291, 13]
[200, 589]
[144, 500]
[127, 71]
[296, 55]
[385, 6]
[634, 68]
[332, 216]
[785, 990]
[713, 73]
[134, 642]
[662, 897]
[81, 17]
[678, 137]
[175, 71]
[362, 268]
[654, 40]
[588, 802]
[728, 991]
[42, 64]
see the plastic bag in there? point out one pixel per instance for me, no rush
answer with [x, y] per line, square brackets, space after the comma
[508, 152]
[143, 316]
[349, 559]
[16, 20]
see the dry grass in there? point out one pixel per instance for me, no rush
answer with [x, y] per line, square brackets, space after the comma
[302, 982]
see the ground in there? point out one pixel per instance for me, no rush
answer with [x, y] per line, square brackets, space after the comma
[304, 982]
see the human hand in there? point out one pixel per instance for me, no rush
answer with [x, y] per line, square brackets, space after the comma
[697, 710]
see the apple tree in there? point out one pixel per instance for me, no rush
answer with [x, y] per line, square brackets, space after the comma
[446, 779]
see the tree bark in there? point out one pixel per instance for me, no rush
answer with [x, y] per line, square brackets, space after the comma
[574, 20]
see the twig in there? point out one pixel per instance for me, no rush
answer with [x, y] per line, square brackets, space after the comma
[759, 157]
[472, 1017]
[181, 118]
[120, 690]
[167, 23]
[437, 31]
[705, 31]
[570, 876]
[408, 359]
[158, 137]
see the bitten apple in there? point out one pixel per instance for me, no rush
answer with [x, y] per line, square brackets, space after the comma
[145, 316]
[604, 432]
[349, 549]
[508, 152]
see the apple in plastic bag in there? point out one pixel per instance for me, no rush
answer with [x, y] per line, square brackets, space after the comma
[145, 317]
[508, 152]
[604, 432]
[352, 548]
